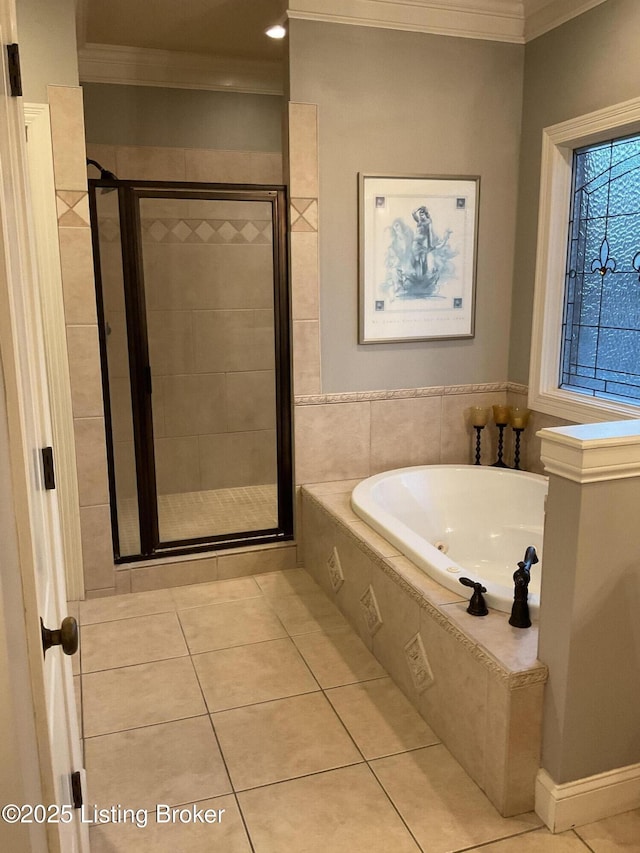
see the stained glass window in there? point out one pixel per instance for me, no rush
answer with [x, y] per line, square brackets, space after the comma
[600, 353]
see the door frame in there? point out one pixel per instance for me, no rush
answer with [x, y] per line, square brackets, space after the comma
[47, 249]
[30, 774]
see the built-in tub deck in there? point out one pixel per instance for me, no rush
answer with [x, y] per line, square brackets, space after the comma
[476, 680]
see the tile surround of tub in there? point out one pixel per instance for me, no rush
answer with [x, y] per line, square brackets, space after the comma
[498, 687]
[355, 435]
[405, 430]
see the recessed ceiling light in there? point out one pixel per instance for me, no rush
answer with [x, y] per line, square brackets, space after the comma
[277, 32]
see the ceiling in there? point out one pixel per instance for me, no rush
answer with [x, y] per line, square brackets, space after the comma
[221, 44]
[232, 28]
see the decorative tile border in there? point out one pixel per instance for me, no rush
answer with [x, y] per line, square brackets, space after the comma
[409, 393]
[525, 678]
[304, 214]
[372, 616]
[406, 393]
[421, 673]
[165, 230]
[73, 208]
[334, 567]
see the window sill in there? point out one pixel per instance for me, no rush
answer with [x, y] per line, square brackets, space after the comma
[579, 408]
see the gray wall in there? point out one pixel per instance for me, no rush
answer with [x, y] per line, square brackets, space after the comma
[182, 118]
[48, 53]
[589, 63]
[589, 629]
[408, 103]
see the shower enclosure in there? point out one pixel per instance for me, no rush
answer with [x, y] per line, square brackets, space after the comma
[193, 311]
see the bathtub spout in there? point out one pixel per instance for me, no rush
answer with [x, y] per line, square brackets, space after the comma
[530, 557]
[520, 610]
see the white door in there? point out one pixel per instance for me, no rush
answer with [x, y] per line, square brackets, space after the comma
[36, 510]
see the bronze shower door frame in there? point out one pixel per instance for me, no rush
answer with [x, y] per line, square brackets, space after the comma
[129, 194]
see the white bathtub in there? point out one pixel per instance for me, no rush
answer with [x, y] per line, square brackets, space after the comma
[458, 521]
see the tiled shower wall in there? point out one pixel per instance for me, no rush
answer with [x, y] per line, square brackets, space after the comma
[336, 436]
[209, 301]
[67, 132]
[82, 334]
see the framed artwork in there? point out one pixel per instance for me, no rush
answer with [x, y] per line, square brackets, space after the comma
[418, 242]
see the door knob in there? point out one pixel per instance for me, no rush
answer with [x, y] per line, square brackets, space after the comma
[66, 636]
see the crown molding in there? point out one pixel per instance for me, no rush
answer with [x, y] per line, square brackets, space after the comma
[544, 15]
[134, 66]
[516, 21]
[494, 20]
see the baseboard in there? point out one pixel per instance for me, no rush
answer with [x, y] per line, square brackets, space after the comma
[586, 800]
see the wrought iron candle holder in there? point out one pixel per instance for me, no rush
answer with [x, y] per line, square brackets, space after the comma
[516, 451]
[479, 418]
[519, 421]
[501, 415]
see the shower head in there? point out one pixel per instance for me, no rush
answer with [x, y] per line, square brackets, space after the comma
[105, 174]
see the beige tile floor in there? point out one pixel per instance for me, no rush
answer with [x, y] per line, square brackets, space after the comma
[253, 699]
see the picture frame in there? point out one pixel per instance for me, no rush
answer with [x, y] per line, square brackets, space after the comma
[417, 257]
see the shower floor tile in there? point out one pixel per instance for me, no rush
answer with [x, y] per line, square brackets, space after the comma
[297, 713]
[192, 515]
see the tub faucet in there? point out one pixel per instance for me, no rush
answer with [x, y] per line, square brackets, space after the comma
[520, 610]
[477, 605]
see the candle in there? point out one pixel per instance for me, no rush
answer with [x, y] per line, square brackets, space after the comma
[519, 418]
[479, 416]
[501, 414]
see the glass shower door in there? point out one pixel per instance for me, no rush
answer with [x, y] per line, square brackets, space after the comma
[194, 315]
[209, 302]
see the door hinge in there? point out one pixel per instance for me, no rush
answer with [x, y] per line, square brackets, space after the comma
[76, 789]
[48, 470]
[15, 77]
